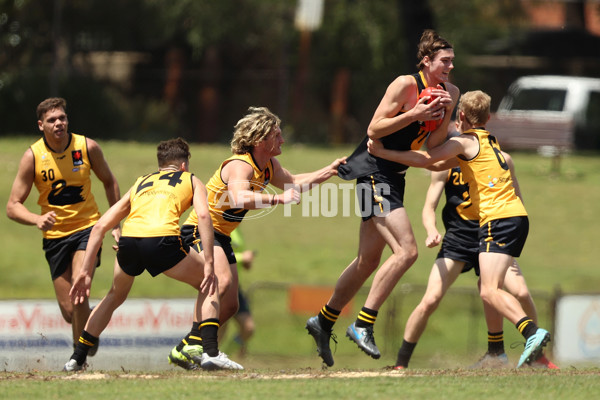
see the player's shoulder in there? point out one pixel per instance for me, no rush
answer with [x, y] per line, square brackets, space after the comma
[242, 162]
[275, 162]
[506, 156]
[90, 143]
[453, 90]
[404, 81]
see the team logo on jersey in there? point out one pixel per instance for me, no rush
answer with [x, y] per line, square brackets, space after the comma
[62, 195]
[267, 176]
[77, 157]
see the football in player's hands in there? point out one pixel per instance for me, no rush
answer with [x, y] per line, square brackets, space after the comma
[431, 125]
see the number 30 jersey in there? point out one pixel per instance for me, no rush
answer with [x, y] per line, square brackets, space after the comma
[490, 180]
[64, 186]
[157, 202]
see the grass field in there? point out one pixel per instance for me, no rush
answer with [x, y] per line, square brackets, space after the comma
[306, 384]
[313, 250]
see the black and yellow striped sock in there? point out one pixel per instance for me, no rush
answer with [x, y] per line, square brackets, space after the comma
[209, 330]
[366, 317]
[327, 317]
[496, 342]
[526, 327]
[86, 342]
[192, 338]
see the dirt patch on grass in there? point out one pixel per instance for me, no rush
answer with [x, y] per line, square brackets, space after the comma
[290, 374]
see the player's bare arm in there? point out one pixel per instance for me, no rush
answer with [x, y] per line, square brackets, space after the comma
[444, 165]
[205, 228]
[511, 167]
[104, 173]
[238, 174]
[15, 207]
[432, 199]
[463, 144]
[83, 281]
[307, 180]
[401, 95]
[449, 99]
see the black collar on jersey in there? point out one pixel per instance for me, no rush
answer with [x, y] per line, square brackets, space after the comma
[422, 82]
[54, 151]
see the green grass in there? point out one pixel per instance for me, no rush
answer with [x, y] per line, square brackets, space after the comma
[418, 384]
[314, 250]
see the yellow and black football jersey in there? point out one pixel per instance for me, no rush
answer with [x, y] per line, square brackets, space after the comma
[224, 217]
[64, 185]
[458, 212]
[157, 202]
[490, 181]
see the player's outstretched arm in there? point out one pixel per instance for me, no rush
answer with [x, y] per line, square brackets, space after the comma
[420, 158]
[282, 178]
[83, 281]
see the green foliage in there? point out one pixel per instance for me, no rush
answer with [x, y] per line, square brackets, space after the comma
[470, 25]
[229, 61]
[100, 111]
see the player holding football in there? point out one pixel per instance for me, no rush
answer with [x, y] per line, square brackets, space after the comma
[398, 122]
[60, 165]
[503, 220]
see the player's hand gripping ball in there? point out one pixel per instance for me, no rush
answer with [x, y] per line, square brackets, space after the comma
[433, 124]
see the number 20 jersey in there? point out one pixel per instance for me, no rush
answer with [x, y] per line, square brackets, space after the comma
[157, 202]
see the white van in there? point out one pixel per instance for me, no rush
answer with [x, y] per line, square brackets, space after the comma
[549, 110]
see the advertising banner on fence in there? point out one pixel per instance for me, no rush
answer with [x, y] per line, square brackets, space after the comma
[577, 334]
[33, 334]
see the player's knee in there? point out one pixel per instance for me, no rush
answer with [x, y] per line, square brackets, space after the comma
[368, 263]
[430, 304]
[406, 257]
[68, 317]
[229, 305]
[412, 254]
[226, 283]
[115, 298]
[523, 296]
[487, 294]
[66, 310]
[249, 328]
